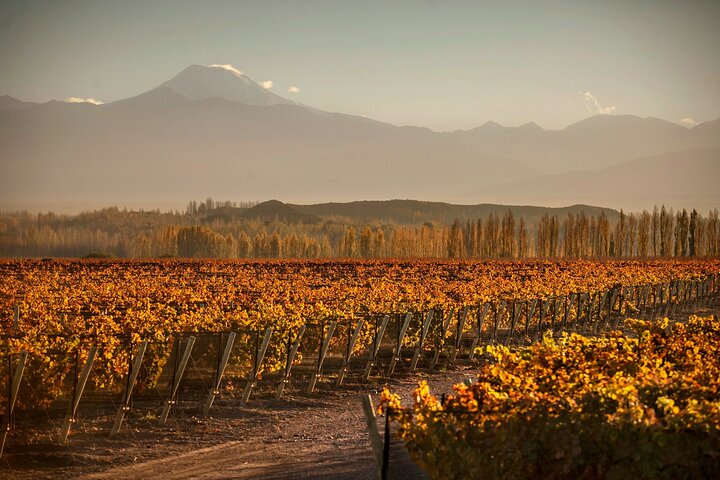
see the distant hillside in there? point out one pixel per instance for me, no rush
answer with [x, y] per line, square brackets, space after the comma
[410, 212]
[274, 210]
[689, 177]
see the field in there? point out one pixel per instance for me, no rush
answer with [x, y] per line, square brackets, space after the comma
[317, 323]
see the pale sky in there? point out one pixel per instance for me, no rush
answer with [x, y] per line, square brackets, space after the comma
[445, 65]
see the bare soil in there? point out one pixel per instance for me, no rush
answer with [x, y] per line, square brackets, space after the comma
[319, 435]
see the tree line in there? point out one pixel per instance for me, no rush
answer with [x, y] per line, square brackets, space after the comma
[132, 234]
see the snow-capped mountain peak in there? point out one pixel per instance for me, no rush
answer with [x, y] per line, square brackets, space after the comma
[198, 82]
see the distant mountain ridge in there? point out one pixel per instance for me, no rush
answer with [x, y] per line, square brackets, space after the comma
[213, 130]
[652, 179]
[412, 212]
[400, 212]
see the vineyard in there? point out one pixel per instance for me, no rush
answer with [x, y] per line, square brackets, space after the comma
[122, 328]
[640, 406]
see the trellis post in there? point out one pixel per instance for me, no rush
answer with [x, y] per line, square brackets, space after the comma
[379, 332]
[397, 351]
[441, 340]
[325, 344]
[427, 319]
[127, 394]
[480, 320]
[78, 389]
[14, 387]
[222, 364]
[257, 364]
[178, 372]
[292, 352]
[352, 340]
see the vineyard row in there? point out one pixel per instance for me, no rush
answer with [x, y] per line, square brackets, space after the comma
[378, 343]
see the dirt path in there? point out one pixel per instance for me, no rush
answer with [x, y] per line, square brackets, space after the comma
[322, 435]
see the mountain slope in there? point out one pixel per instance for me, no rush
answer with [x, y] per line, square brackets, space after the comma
[412, 212]
[199, 82]
[687, 178]
[594, 143]
[10, 103]
[274, 210]
[162, 146]
[214, 131]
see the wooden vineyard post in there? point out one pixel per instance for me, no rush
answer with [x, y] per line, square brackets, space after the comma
[529, 312]
[647, 301]
[612, 300]
[544, 306]
[658, 303]
[78, 389]
[458, 337]
[601, 304]
[396, 354]
[321, 356]
[585, 311]
[219, 372]
[673, 297]
[660, 309]
[514, 316]
[580, 300]
[567, 305]
[375, 441]
[257, 363]
[127, 394]
[709, 292]
[556, 313]
[499, 312]
[292, 352]
[621, 295]
[427, 319]
[13, 387]
[590, 308]
[352, 340]
[177, 378]
[664, 303]
[441, 340]
[379, 332]
[668, 299]
[643, 301]
[480, 320]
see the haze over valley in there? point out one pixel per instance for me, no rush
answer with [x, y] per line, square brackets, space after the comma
[213, 130]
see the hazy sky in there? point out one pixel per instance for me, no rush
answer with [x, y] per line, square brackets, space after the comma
[441, 64]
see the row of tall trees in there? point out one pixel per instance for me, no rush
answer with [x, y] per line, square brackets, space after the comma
[662, 233]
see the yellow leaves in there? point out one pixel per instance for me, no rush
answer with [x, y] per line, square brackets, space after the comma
[389, 402]
[151, 300]
[617, 381]
[667, 405]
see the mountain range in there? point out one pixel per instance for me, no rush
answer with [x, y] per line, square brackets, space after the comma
[212, 130]
[398, 212]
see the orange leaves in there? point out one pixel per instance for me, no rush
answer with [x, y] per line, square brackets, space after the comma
[607, 392]
[96, 301]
